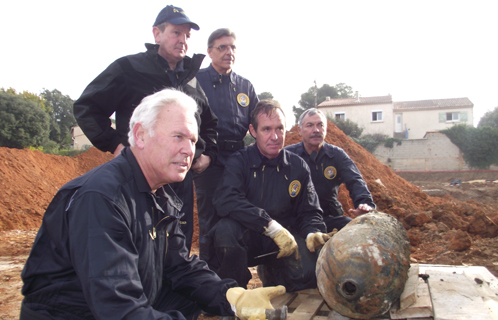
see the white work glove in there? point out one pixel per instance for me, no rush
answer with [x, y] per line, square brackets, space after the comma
[255, 298]
[283, 238]
[314, 241]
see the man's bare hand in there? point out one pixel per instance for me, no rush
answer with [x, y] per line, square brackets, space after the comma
[201, 163]
[117, 152]
[362, 209]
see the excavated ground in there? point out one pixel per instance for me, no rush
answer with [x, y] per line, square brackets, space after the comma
[454, 225]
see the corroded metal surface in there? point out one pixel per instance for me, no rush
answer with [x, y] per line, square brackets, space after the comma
[362, 270]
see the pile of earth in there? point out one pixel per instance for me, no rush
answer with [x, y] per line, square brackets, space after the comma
[441, 229]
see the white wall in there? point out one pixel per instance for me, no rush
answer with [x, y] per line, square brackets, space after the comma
[420, 121]
[362, 115]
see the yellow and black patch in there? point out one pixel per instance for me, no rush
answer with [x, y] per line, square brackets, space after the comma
[330, 172]
[243, 99]
[294, 188]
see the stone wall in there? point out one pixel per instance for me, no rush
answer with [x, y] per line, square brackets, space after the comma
[433, 153]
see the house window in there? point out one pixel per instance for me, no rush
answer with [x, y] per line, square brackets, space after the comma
[452, 116]
[377, 116]
[340, 116]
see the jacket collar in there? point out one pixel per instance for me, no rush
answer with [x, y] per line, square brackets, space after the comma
[164, 192]
[326, 149]
[256, 159]
[142, 184]
[192, 65]
[216, 77]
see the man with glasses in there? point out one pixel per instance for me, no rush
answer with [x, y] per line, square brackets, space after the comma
[121, 87]
[232, 98]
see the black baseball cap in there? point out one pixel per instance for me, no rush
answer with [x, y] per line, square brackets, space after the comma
[174, 15]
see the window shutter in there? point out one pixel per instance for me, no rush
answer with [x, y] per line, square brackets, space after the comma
[463, 116]
[442, 116]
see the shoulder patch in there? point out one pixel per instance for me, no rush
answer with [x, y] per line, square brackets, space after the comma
[330, 172]
[243, 99]
[294, 188]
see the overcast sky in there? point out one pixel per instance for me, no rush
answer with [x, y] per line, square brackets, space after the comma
[413, 50]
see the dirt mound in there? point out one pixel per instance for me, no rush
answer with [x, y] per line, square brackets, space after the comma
[436, 226]
[441, 229]
[29, 180]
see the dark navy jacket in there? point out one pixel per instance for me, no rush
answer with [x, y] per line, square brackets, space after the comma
[233, 116]
[95, 257]
[254, 190]
[332, 167]
[121, 87]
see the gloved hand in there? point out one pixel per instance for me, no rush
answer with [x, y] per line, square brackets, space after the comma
[255, 298]
[315, 241]
[286, 243]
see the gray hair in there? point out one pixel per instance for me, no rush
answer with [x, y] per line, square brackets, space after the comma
[222, 32]
[310, 112]
[162, 26]
[148, 110]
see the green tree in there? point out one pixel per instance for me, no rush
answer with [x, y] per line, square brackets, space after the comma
[350, 128]
[61, 113]
[307, 101]
[23, 122]
[265, 95]
[28, 96]
[479, 146]
[489, 119]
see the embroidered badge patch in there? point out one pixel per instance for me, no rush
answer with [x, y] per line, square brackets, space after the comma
[330, 172]
[294, 188]
[243, 99]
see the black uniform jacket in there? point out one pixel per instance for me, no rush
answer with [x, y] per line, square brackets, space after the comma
[108, 246]
[122, 86]
[329, 169]
[232, 99]
[255, 190]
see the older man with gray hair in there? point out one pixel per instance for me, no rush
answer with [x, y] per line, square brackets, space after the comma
[330, 166]
[110, 245]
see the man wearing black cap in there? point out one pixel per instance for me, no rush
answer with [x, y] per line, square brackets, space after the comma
[121, 87]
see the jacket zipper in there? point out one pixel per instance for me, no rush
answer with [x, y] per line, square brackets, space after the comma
[263, 181]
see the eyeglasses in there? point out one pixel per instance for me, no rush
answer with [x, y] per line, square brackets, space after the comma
[224, 47]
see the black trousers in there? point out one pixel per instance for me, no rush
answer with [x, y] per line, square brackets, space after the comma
[205, 186]
[236, 248]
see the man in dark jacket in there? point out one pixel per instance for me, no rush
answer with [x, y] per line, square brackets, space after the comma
[121, 87]
[232, 98]
[110, 245]
[330, 166]
[267, 204]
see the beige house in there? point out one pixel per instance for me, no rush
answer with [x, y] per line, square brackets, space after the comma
[80, 141]
[407, 119]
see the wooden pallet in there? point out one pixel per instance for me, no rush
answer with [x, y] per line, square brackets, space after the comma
[451, 292]
[307, 305]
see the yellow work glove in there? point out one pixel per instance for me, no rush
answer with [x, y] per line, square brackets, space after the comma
[315, 241]
[286, 243]
[255, 298]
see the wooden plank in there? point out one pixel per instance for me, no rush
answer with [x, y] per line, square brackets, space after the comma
[334, 315]
[487, 287]
[283, 300]
[454, 297]
[308, 308]
[421, 309]
[409, 294]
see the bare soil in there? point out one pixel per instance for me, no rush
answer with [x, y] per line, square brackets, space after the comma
[454, 225]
